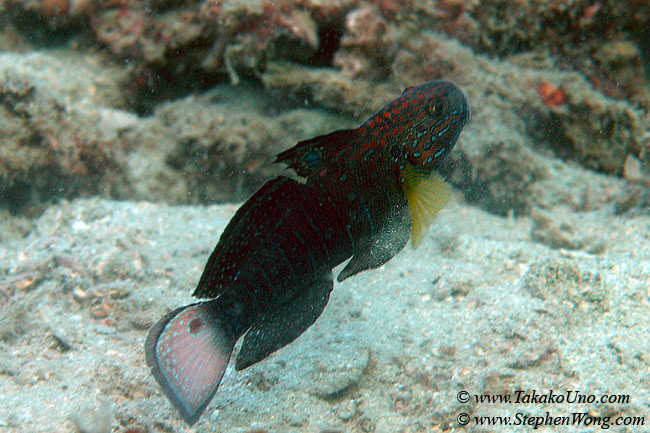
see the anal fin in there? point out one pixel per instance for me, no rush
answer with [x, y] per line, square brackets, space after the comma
[281, 326]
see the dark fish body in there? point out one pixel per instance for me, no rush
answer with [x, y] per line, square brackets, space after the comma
[364, 191]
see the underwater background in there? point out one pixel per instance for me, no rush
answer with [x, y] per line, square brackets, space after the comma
[130, 131]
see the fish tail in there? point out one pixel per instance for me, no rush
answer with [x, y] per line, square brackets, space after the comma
[188, 351]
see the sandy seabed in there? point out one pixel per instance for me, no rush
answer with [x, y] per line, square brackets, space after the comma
[478, 307]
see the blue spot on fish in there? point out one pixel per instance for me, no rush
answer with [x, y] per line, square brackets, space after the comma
[444, 131]
[312, 159]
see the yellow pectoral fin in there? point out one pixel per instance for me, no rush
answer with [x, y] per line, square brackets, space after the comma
[426, 194]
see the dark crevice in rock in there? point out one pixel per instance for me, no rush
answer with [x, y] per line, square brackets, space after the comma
[40, 30]
[330, 41]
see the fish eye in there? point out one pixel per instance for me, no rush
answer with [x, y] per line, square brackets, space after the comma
[438, 107]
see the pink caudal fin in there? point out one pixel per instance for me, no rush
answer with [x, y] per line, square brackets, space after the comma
[188, 351]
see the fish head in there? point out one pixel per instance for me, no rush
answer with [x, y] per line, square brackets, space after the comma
[436, 113]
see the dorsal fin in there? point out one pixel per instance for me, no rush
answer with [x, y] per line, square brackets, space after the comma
[234, 245]
[309, 157]
[427, 193]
